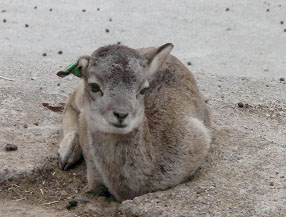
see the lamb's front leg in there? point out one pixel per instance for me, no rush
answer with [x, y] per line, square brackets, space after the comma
[95, 183]
[94, 179]
[69, 149]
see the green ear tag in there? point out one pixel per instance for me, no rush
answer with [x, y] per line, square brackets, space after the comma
[70, 68]
[77, 73]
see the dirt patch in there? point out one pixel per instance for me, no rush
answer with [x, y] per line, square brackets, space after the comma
[53, 189]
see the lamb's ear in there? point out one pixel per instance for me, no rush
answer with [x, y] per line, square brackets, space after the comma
[157, 57]
[77, 68]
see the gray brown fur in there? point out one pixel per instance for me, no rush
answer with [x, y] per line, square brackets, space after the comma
[166, 137]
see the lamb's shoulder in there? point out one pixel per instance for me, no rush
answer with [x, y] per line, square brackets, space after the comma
[173, 91]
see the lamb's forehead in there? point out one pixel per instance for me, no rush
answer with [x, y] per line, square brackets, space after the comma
[115, 50]
[119, 64]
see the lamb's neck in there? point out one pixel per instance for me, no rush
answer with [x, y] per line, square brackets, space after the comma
[138, 139]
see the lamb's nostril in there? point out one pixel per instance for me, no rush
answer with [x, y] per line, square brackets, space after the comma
[120, 115]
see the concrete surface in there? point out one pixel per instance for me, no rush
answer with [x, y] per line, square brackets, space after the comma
[237, 55]
[254, 46]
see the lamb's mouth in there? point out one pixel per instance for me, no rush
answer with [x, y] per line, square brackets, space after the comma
[119, 125]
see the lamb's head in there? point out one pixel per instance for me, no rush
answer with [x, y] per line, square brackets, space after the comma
[116, 78]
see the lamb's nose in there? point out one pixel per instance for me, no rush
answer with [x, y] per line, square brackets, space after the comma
[120, 115]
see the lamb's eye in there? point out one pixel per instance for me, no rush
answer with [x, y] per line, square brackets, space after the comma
[95, 87]
[142, 92]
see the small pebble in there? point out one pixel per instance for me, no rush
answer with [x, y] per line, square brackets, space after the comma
[282, 177]
[51, 9]
[26, 25]
[60, 52]
[189, 63]
[58, 84]
[35, 7]
[228, 29]
[4, 21]
[71, 204]
[281, 22]
[83, 10]
[240, 105]
[98, 9]
[110, 20]
[227, 9]
[36, 124]
[107, 30]
[282, 79]
[25, 126]
[119, 43]
[267, 10]
[11, 147]
[284, 30]
[44, 54]
[271, 184]
[3, 11]
[68, 206]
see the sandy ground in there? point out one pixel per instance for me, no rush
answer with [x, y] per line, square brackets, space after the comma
[237, 55]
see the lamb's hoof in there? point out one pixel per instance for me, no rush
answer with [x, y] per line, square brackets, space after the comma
[69, 152]
[82, 199]
[87, 196]
[66, 162]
